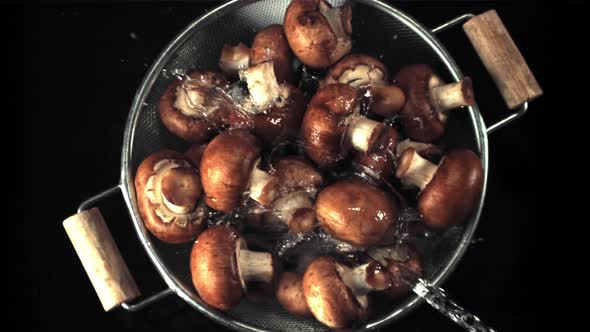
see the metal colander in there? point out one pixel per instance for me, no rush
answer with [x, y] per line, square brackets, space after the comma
[378, 30]
[400, 41]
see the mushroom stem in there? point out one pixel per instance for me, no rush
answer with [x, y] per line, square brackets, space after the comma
[262, 84]
[363, 133]
[234, 58]
[263, 186]
[296, 211]
[453, 95]
[255, 266]
[365, 278]
[415, 169]
[334, 18]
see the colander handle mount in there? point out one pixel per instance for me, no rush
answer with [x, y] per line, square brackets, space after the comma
[502, 59]
[102, 259]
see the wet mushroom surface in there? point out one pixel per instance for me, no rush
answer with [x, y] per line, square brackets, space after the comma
[329, 200]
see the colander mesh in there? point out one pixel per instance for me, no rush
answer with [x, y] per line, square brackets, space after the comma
[375, 33]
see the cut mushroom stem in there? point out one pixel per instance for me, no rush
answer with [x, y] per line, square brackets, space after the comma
[296, 211]
[262, 84]
[363, 133]
[263, 186]
[253, 266]
[365, 278]
[234, 58]
[181, 188]
[453, 95]
[415, 169]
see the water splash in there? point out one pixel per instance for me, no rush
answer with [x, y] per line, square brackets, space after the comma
[438, 299]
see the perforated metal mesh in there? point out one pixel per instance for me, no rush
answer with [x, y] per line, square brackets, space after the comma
[376, 33]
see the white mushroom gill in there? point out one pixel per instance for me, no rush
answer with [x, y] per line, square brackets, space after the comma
[166, 210]
[362, 75]
[265, 90]
[197, 98]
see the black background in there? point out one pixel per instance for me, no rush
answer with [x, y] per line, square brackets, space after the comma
[84, 62]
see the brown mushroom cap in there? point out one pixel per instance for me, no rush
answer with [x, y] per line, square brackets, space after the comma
[356, 212]
[271, 44]
[381, 160]
[281, 122]
[357, 70]
[454, 191]
[290, 294]
[226, 167]
[324, 123]
[327, 296]
[214, 267]
[419, 117]
[163, 180]
[195, 128]
[318, 34]
[386, 101]
[294, 173]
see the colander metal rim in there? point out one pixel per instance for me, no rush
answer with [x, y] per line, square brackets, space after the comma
[127, 179]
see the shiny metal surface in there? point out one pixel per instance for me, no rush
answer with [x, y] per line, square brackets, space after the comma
[238, 21]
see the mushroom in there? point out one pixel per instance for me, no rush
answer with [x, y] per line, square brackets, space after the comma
[386, 101]
[332, 123]
[290, 294]
[275, 108]
[271, 44]
[371, 76]
[229, 167]
[318, 34]
[337, 294]
[233, 59]
[295, 173]
[356, 212]
[380, 162]
[449, 191]
[222, 267]
[193, 109]
[428, 101]
[404, 264]
[168, 192]
[295, 210]
[298, 182]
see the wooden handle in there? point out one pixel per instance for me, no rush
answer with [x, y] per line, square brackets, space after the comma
[502, 59]
[101, 258]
